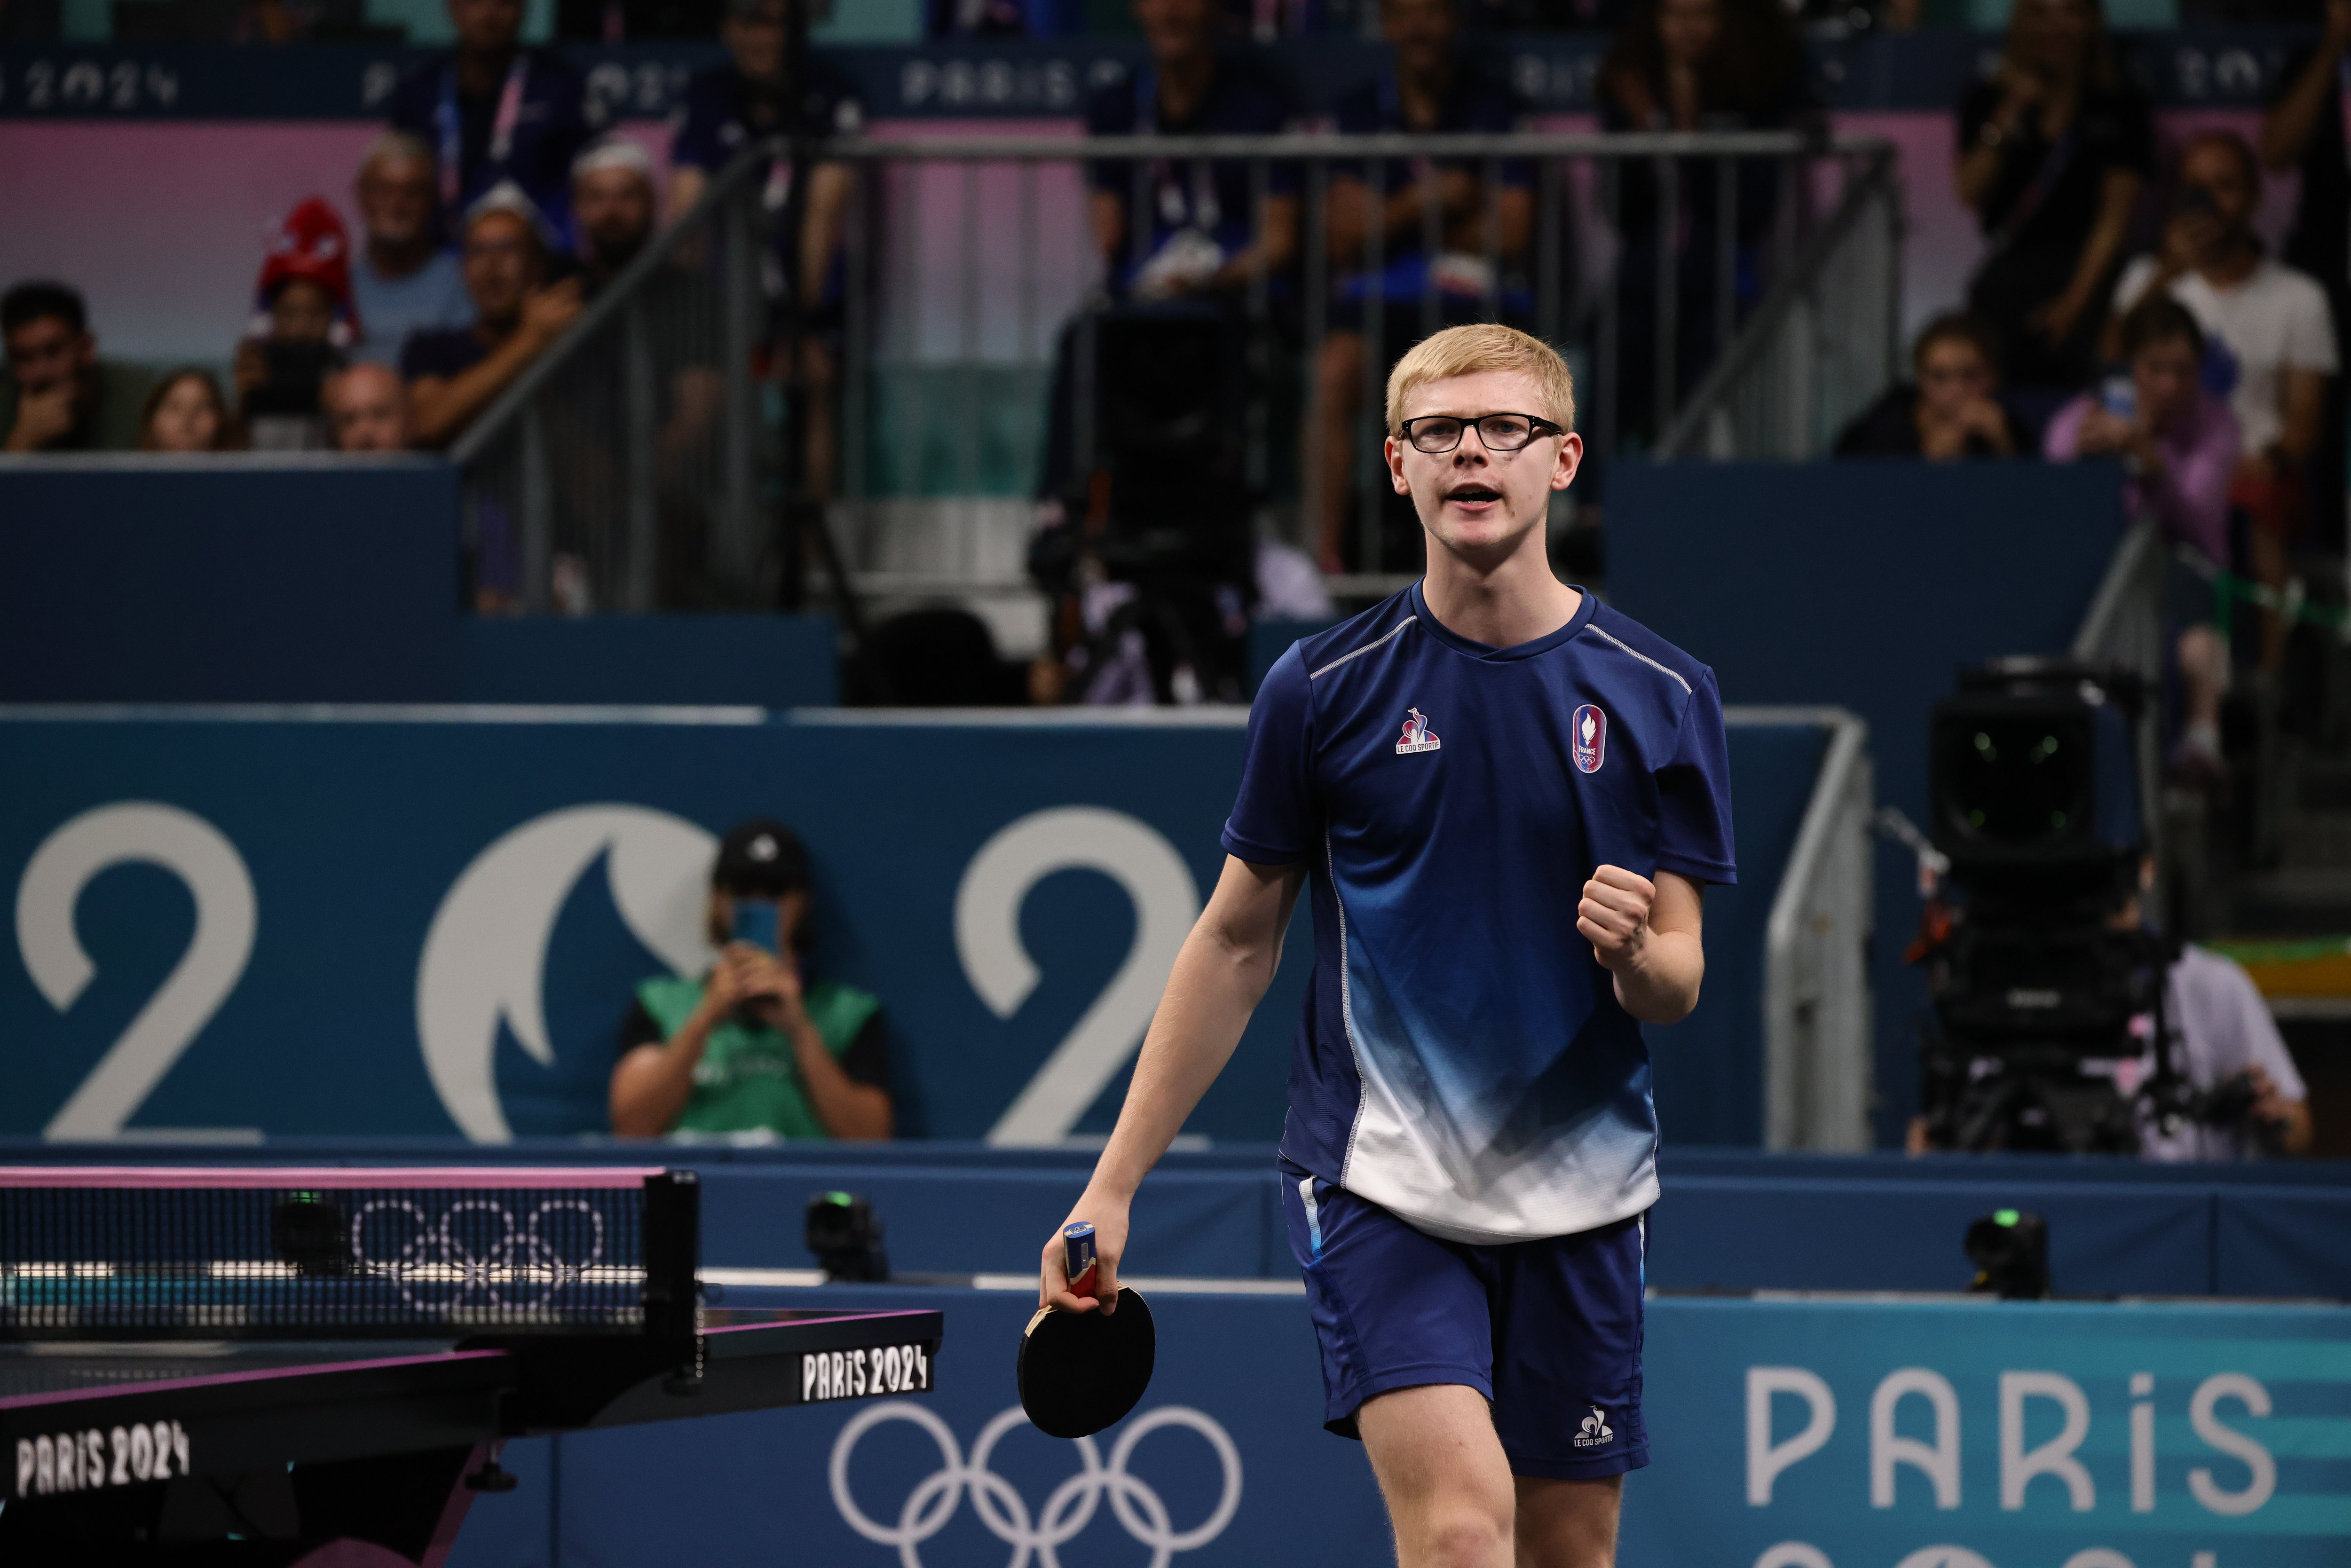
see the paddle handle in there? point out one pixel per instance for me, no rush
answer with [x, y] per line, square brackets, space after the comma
[1078, 1255]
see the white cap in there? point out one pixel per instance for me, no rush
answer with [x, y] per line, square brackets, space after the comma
[613, 153]
[505, 196]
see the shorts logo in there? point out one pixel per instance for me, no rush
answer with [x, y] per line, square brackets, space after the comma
[1595, 1432]
[1417, 736]
[1590, 728]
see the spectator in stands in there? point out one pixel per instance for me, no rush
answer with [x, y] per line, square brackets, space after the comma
[495, 112]
[1428, 90]
[302, 323]
[613, 202]
[1692, 65]
[2303, 130]
[1201, 232]
[453, 376]
[2054, 151]
[2268, 326]
[59, 395]
[186, 413]
[1952, 410]
[2223, 1039]
[403, 281]
[757, 1042]
[1203, 239]
[731, 106]
[2180, 445]
[366, 409]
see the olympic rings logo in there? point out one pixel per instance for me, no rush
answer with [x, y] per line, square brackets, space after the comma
[476, 1248]
[1005, 1513]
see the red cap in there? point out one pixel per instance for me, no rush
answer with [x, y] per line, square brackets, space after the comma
[310, 243]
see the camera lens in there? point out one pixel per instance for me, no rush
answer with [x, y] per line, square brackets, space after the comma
[2018, 782]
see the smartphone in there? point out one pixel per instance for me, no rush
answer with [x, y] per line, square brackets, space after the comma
[2119, 394]
[295, 372]
[755, 922]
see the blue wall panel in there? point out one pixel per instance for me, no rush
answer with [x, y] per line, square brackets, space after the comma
[1868, 585]
[553, 856]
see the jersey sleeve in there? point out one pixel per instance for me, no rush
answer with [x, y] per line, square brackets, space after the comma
[1694, 836]
[1275, 821]
[640, 1028]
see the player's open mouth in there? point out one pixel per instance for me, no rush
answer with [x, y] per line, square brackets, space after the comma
[1474, 495]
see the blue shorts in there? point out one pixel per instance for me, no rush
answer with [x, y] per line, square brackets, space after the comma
[1549, 1330]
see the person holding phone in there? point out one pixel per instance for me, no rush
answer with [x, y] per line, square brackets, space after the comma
[2180, 446]
[754, 1044]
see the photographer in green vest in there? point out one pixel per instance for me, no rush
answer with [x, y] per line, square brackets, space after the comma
[754, 1044]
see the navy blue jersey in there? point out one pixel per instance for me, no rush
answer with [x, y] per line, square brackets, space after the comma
[1474, 106]
[528, 131]
[1463, 1060]
[723, 109]
[1212, 198]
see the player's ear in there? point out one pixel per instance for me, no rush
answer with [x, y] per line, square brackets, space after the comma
[1395, 450]
[1571, 458]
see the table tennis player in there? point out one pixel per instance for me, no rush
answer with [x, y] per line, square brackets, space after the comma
[1506, 799]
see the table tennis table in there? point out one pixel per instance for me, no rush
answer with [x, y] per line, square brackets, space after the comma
[279, 1367]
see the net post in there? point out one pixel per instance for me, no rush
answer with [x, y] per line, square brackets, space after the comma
[673, 1299]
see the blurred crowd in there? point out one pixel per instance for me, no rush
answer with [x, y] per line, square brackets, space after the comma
[2208, 366]
[2124, 304]
[490, 218]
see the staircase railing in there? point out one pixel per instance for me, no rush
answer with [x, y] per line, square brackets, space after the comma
[1825, 342]
[1817, 1013]
[2124, 629]
[621, 470]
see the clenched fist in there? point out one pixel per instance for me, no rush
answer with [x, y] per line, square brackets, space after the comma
[1614, 915]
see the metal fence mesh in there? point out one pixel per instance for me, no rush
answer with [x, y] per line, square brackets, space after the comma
[1719, 295]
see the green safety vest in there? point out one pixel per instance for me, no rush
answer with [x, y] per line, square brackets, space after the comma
[747, 1079]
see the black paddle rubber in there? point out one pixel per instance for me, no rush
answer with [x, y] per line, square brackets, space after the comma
[1080, 1372]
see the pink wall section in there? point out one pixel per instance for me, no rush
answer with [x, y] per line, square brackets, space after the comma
[163, 226]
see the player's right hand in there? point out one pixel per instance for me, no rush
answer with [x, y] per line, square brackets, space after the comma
[1108, 1216]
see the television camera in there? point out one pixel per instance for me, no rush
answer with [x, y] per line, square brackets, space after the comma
[2041, 990]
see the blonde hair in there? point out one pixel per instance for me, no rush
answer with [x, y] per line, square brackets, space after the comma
[1486, 346]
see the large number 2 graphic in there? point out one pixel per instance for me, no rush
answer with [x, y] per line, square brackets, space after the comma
[192, 850]
[987, 938]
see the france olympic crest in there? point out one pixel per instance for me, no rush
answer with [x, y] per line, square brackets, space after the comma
[1591, 735]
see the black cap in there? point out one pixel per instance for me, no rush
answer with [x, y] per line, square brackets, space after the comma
[761, 859]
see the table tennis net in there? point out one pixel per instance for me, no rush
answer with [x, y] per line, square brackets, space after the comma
[293, 1256]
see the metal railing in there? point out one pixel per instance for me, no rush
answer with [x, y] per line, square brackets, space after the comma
[966, 255]
[2124, 629]
[623, 469]
[626, 470]
[1817, 1011]
[1825, 342]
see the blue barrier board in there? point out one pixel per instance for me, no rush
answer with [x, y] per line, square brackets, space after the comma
[1784, 1434]
[454, 910]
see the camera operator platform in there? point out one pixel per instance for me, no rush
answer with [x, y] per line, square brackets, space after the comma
[2050, 1029]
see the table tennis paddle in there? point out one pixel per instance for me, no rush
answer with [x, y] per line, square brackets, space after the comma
[1080, 1372]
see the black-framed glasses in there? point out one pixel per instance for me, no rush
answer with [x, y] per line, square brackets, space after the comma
[1437, 433]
